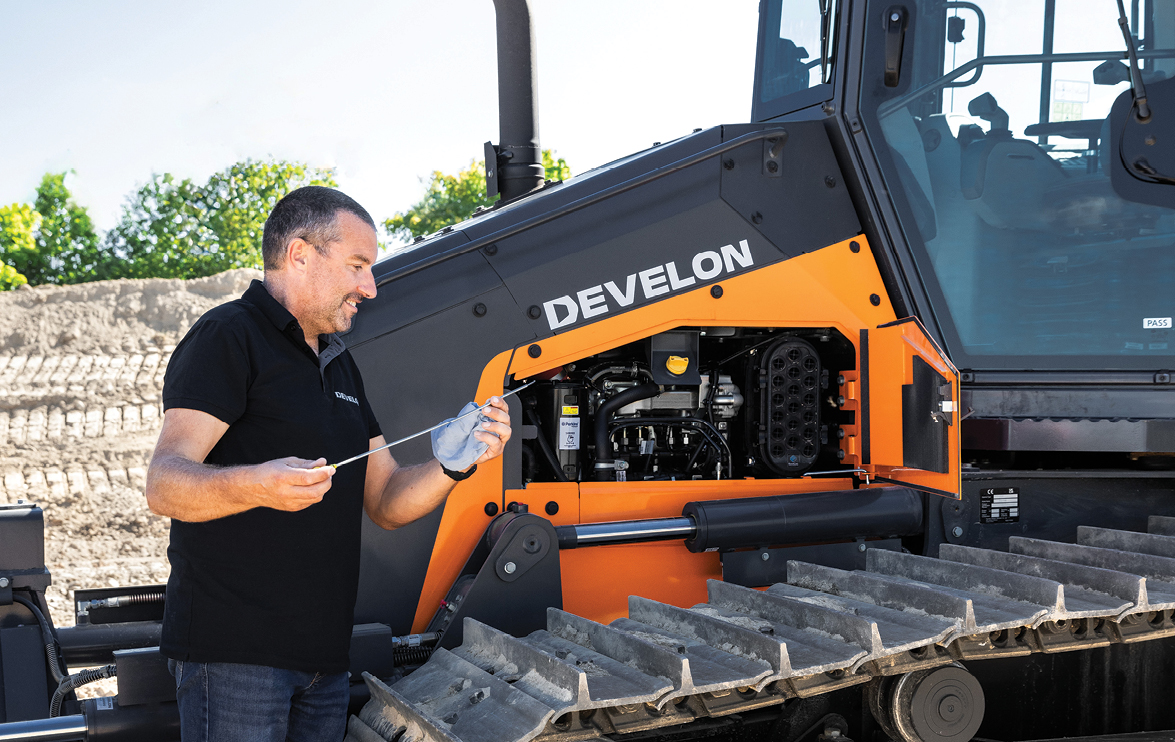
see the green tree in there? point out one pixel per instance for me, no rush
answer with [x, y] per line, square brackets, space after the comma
[18, 243]
[51, 241]
[449, 199]
[68, 246]
[179, 229]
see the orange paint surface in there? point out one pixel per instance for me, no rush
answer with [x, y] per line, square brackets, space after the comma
[827, 288]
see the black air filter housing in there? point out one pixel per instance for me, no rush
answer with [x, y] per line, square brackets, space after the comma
[789, 406]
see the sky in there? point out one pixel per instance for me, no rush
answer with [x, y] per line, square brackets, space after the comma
[384, 91]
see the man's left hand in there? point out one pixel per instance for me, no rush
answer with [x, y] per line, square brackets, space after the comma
[495, 431]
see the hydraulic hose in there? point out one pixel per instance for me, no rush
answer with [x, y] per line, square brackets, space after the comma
[77, 680]
[47, 637]
[605, 461]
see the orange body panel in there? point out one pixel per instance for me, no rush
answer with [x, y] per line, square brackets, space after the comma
[465, 518]
[827, 288]
[891, 364]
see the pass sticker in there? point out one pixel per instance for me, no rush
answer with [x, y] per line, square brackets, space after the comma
[1156, 323]
[568, 433]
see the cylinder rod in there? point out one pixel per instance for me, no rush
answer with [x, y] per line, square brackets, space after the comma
[624, 532]
[44, 730]
[779, 520]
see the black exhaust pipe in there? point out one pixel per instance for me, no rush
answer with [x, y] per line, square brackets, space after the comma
[518, 157]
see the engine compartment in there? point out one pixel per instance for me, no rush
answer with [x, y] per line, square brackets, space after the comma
[692, 403]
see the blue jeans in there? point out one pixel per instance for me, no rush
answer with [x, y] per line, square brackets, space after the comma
[225, 702]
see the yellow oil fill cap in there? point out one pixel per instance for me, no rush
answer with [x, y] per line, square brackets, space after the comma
[677, 365]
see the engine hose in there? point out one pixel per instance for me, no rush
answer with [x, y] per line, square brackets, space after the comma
[72, 682]
[51, 654]
[545, 445]
[605, 461]
[708, 431]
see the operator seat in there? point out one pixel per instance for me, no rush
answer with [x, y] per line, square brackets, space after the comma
[1004, 178]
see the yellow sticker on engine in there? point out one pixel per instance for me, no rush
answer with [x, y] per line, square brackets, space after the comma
[570, 409]
[677, 365]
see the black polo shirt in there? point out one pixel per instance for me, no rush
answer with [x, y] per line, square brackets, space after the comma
[269, 587]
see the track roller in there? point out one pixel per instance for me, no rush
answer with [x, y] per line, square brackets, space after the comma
[944, 704]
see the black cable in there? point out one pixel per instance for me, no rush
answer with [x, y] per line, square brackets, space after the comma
[71, 683]
[47, 636]
[728, 359]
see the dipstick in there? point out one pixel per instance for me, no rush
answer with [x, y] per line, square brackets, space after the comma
[426, 430]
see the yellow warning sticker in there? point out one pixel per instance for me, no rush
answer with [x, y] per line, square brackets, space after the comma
[570, 409]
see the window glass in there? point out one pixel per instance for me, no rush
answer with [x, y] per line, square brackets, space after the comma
[998, 167]
[791, 52]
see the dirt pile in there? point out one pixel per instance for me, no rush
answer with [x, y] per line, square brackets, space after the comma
[81, 372]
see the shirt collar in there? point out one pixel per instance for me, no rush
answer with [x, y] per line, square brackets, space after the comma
[259, 296]
[330, 346]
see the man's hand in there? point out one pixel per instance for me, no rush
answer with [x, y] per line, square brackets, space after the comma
[291, 483]
[496, 432]
[395, 495]
[181, 486]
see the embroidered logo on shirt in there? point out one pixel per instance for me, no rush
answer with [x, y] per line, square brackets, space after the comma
[346, 397]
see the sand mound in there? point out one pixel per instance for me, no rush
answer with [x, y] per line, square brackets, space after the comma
[81, 372]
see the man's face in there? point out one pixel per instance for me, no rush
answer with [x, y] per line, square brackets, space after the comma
[339, 281]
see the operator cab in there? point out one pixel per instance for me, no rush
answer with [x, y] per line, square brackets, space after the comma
[990, 123]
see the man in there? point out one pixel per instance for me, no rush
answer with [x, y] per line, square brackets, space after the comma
[259, 396]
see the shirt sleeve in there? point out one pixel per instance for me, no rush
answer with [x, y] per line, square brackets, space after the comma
[209, 371]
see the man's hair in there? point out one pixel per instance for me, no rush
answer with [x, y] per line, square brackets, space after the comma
[311, 213]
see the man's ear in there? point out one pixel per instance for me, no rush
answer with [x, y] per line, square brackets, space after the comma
[297, 253]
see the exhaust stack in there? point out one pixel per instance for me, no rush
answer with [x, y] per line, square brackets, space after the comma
[515, 166]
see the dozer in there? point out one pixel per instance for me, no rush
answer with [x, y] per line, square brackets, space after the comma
[854, 422]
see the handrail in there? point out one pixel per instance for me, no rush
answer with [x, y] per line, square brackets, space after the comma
[582, 203]
[889, 107]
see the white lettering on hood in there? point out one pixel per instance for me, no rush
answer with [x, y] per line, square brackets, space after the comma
[657, 281]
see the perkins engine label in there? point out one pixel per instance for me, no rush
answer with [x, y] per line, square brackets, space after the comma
[657, 281]
[569, 434]
[999, 505]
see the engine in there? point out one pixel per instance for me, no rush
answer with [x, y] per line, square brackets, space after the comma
[691, 403]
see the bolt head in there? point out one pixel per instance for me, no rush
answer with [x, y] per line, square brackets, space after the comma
[957, 531]
[895, 17]
[509, 568]
[830, 181]
[861, 547]
[772, 166]
[4, 582]
[716, 292]
[764, 556]
[534, 351]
